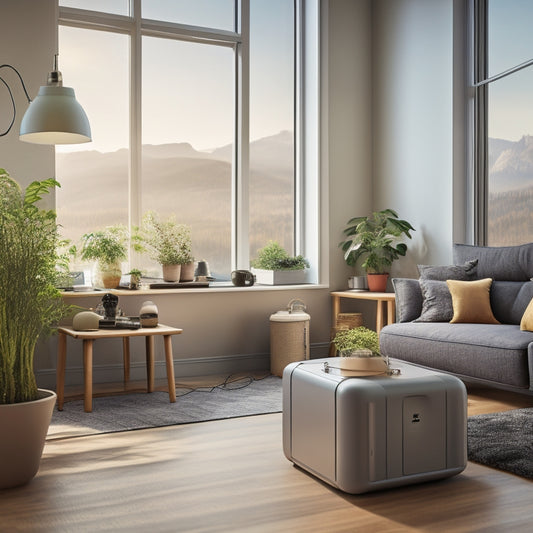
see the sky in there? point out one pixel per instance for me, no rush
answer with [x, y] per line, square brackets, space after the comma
[511, 43]
[188, 89]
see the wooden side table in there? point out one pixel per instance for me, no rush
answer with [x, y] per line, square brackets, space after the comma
[385, 301]
[88, 338]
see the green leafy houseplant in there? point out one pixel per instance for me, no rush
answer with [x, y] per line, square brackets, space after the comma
[274, 257]
[30, 304]
[375, 239]
[108, 246]
[348, 340]
[166, 241]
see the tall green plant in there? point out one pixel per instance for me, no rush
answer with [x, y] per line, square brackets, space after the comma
[30, 304]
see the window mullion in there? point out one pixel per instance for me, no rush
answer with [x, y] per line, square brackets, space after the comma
[241, 168]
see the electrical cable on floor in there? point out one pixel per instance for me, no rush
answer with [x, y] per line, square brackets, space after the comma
[231, 382]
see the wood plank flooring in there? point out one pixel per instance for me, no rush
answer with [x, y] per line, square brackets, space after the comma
[231, 475]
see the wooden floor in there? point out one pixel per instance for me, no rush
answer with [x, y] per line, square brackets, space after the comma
[231, 475]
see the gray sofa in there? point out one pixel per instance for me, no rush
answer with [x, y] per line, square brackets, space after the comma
[500, 355]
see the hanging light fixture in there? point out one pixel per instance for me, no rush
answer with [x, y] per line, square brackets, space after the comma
[54, 117]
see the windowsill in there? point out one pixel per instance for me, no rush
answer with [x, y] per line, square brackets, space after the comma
[216, 288]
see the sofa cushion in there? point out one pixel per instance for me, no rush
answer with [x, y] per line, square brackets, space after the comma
[493, 352]
[504, 263]
[526, 324]
[437, 302]
[471, 301]
[465, 272]
[408, 297]
[509, 300]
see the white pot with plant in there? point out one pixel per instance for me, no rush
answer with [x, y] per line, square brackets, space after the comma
[275, 266]
[358, 349]
[167, 242]
[108, 247]
[30, 305]
[375, 239]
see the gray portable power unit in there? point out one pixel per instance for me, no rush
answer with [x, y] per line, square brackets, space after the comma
[362, 434]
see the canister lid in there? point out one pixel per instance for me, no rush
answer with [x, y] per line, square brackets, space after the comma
[286, 316]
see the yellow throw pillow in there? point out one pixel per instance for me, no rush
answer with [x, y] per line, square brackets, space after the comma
[526, 324]
[471, 301]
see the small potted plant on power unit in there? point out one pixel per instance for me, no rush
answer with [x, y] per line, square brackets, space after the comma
[275, 266]
[169, 243]
[30, 306]
[108, 247]
[358, 349]
[376, 239]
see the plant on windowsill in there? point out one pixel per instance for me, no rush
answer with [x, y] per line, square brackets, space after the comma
[108, 247]
[168, 243]
[274, 266]
[375, 239]
[30, 306]
[135, 278]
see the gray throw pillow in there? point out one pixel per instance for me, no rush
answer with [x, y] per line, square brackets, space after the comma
[408, 299]
[437, 305]
[465, 272]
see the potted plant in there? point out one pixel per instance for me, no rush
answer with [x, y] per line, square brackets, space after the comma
[166, 242]
[30, 305]
[274, 266]
[135, 278]
[376, 238]
[108, 247]
[359, 350]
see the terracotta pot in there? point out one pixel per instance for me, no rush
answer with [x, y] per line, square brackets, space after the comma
[23, 427]
[377, 282]
[187, 271]
[171, 272]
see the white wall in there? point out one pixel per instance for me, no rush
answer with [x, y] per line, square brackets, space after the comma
[28, 43]
[413, 127]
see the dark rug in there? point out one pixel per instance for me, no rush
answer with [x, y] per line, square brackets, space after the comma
[244, 397]
[503, 440]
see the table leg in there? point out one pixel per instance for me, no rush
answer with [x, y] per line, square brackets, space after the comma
[126, 358]
[60, 370]
[379, 315]
[170, 368]
[150, 363]
[336, 305]
[88, 374]
[391, 312]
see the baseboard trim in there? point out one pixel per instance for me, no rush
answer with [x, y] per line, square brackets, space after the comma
[189, 367]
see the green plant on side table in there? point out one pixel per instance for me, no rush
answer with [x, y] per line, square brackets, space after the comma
[377, 240]
[108, 247]
[167, 242]
[275, 266]
[30, 306]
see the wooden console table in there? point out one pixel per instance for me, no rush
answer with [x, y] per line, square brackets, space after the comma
[88, 338]
[384, 301]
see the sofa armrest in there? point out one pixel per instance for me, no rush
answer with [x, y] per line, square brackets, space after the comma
[408, 297]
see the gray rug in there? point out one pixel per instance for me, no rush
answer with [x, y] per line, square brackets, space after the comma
[141, 410]
[503, 440]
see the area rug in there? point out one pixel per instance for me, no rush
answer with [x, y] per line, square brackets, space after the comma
[503, 440]
[141, 410]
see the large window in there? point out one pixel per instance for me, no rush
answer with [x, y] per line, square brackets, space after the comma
[193, 107]
[503, 121]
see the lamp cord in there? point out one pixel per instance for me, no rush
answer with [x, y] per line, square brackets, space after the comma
[11, 96]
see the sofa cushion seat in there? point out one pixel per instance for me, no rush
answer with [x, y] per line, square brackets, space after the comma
[492, 352]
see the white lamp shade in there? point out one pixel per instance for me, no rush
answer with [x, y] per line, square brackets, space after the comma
[55, 117]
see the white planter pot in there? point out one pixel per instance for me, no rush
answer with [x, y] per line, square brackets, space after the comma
[23, 429]
[280, 277]
[171, 272]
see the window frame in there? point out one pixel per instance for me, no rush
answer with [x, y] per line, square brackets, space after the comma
[307, 115]
[478, 119]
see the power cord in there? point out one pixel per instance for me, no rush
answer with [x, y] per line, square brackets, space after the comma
[232, 382]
